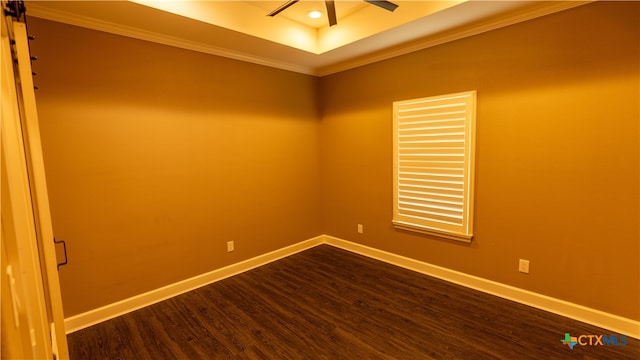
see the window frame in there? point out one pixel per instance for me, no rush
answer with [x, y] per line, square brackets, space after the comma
[425, 225]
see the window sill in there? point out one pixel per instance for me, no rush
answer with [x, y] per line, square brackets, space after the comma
[432, 232]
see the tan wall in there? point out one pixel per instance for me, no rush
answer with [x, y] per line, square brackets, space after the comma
[557, 177]
[157, 156]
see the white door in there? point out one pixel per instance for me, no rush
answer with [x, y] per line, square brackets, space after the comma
[32, 317]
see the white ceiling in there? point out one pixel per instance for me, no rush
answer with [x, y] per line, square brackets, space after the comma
[242, 30]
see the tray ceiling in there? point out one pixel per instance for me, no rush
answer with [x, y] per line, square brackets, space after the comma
[291, 40]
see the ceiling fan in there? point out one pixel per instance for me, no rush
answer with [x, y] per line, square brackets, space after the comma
[331, 8]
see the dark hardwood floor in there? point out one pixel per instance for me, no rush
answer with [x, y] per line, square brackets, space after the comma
[327, 303]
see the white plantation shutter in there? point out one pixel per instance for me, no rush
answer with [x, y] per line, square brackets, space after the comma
[433, 165]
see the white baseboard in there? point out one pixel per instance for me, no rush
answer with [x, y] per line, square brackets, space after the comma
[595, 317]
[591, 316]
[104, 313]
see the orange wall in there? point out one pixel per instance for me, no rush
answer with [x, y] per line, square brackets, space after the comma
[557, 176]
[157, 156]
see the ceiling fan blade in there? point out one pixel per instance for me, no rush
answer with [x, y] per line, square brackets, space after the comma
[387, 5]
[282, 7]
[331, 12]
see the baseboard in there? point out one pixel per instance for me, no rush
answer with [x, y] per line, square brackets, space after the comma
[104, 313]
[595, 317]
[591, 316]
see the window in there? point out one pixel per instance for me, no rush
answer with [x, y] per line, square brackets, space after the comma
[433, 162]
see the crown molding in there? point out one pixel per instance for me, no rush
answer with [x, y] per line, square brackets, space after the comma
[38, 11]
[539, 10]
[475, 28]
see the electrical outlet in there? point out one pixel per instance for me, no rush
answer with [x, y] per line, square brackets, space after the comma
[360, 229]
[523, 266]
[230, 246]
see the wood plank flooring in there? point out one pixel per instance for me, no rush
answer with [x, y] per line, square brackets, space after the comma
[327, 303]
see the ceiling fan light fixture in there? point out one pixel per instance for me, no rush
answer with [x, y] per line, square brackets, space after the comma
[315, 14]
[331, 9]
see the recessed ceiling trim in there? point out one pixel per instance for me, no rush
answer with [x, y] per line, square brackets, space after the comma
[542, 9]
[243, 17]
[319, 68]
[128, 31]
